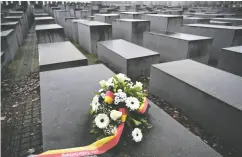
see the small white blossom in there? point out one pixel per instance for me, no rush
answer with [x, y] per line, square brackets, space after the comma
[119, 90]
[137, 135]
[100, 90]
[102, 95]
[114, 115]
[114, 130]
[138, 84]
[116, 102]
[102, 83]
[110, 82]
[122, 77]
[102, 121]
[132, 103]
[95, 103]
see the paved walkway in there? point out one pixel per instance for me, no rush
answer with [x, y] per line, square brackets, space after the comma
[20, 109]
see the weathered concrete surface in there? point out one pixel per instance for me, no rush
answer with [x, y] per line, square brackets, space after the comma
[191, 20]
[91, 32]
[127, 58]
[223, 23]
[17, 18]
[223, 36]
[210, 96]
[61, 15]
[68, 26]
[186, 46]
[230, 60]
[90, 18]
[59, 55]
[41, 14]
[235, 21]
[67, 106]
[44, 20]
[9, 44]
[222, 15]
[106, 18]
[25, 18]
[159, 22]
[49, 33]
[17, 27]
[130, 29]
[83, 14]
[53, 12]
[131, 15]
[75, 35]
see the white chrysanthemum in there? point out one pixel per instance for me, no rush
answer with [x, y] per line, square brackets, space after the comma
[102, 121]
[102, 83]
[137, 135]
[132, 103]
[120, 96]
[100, 90]
[114, 115]
[95, 103]
[110, 82]
[116, 102]
[102, 95]
[138, 84]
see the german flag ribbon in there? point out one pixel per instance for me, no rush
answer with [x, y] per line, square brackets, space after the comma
[99, 147]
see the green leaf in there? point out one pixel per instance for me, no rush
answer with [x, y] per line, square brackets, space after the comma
[91, 112]
[136, 122]
[92, 131]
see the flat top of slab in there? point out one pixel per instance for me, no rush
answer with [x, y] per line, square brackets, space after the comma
[93, 23]
[217, 83]
[107, 14]
[62, 10]
[48, 26]
[182, 36]
[70, 18]
[13, 17]
[78, 20]
[44, 18]
[132, 13]
[132, 20]
[51, 53]
[55, 7]
[220, 22]
[66, 120]
[17, 12]
[234, 49]
[6, 33]
[126, 49]
[10, 23]
[232, 19]
[196, 18]
[213, 26]
[212, 14]
[163, 15]
[41, 14]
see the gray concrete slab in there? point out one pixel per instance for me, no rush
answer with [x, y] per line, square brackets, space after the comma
[191, 20]
[211, 97]
[17, 27]
[17, 18]
[222, 15]
[49, 33]
[9, 44]
[41, 14]
[130, 29]
[21, 13]
[67, 106]
[235, 21]
[187, 46]
[131, 15]
[223, 36]
[61, 15]
[127, 58]
[230, 60]
[159, 22]
[90, 18]
[59, 55]
[223, 23]
[83, 14]
[53, 12]
[91, 32]
[44, 20]
[68, 26]
[75, 35]
[106, 18]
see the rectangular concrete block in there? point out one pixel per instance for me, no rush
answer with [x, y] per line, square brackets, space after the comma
[41, 14]
[209, 96]
[235, 21]
[159, 22]
[127, 58]
[223, 36]
[83, 14]
[44, 20]
[52, 11]
[130, 29]
[106, 18]
[9, 44]
[68, 105]
[191, 20]
[131, 15]
[17, 28]
[91, 32]
[68, 26]
[230, 60]
[223, 23]
[59, 55]
[187, 46]
[17, 18]
[61, 15]
[24, 15]
[75, 35]
[49, 33]
[90, 18]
